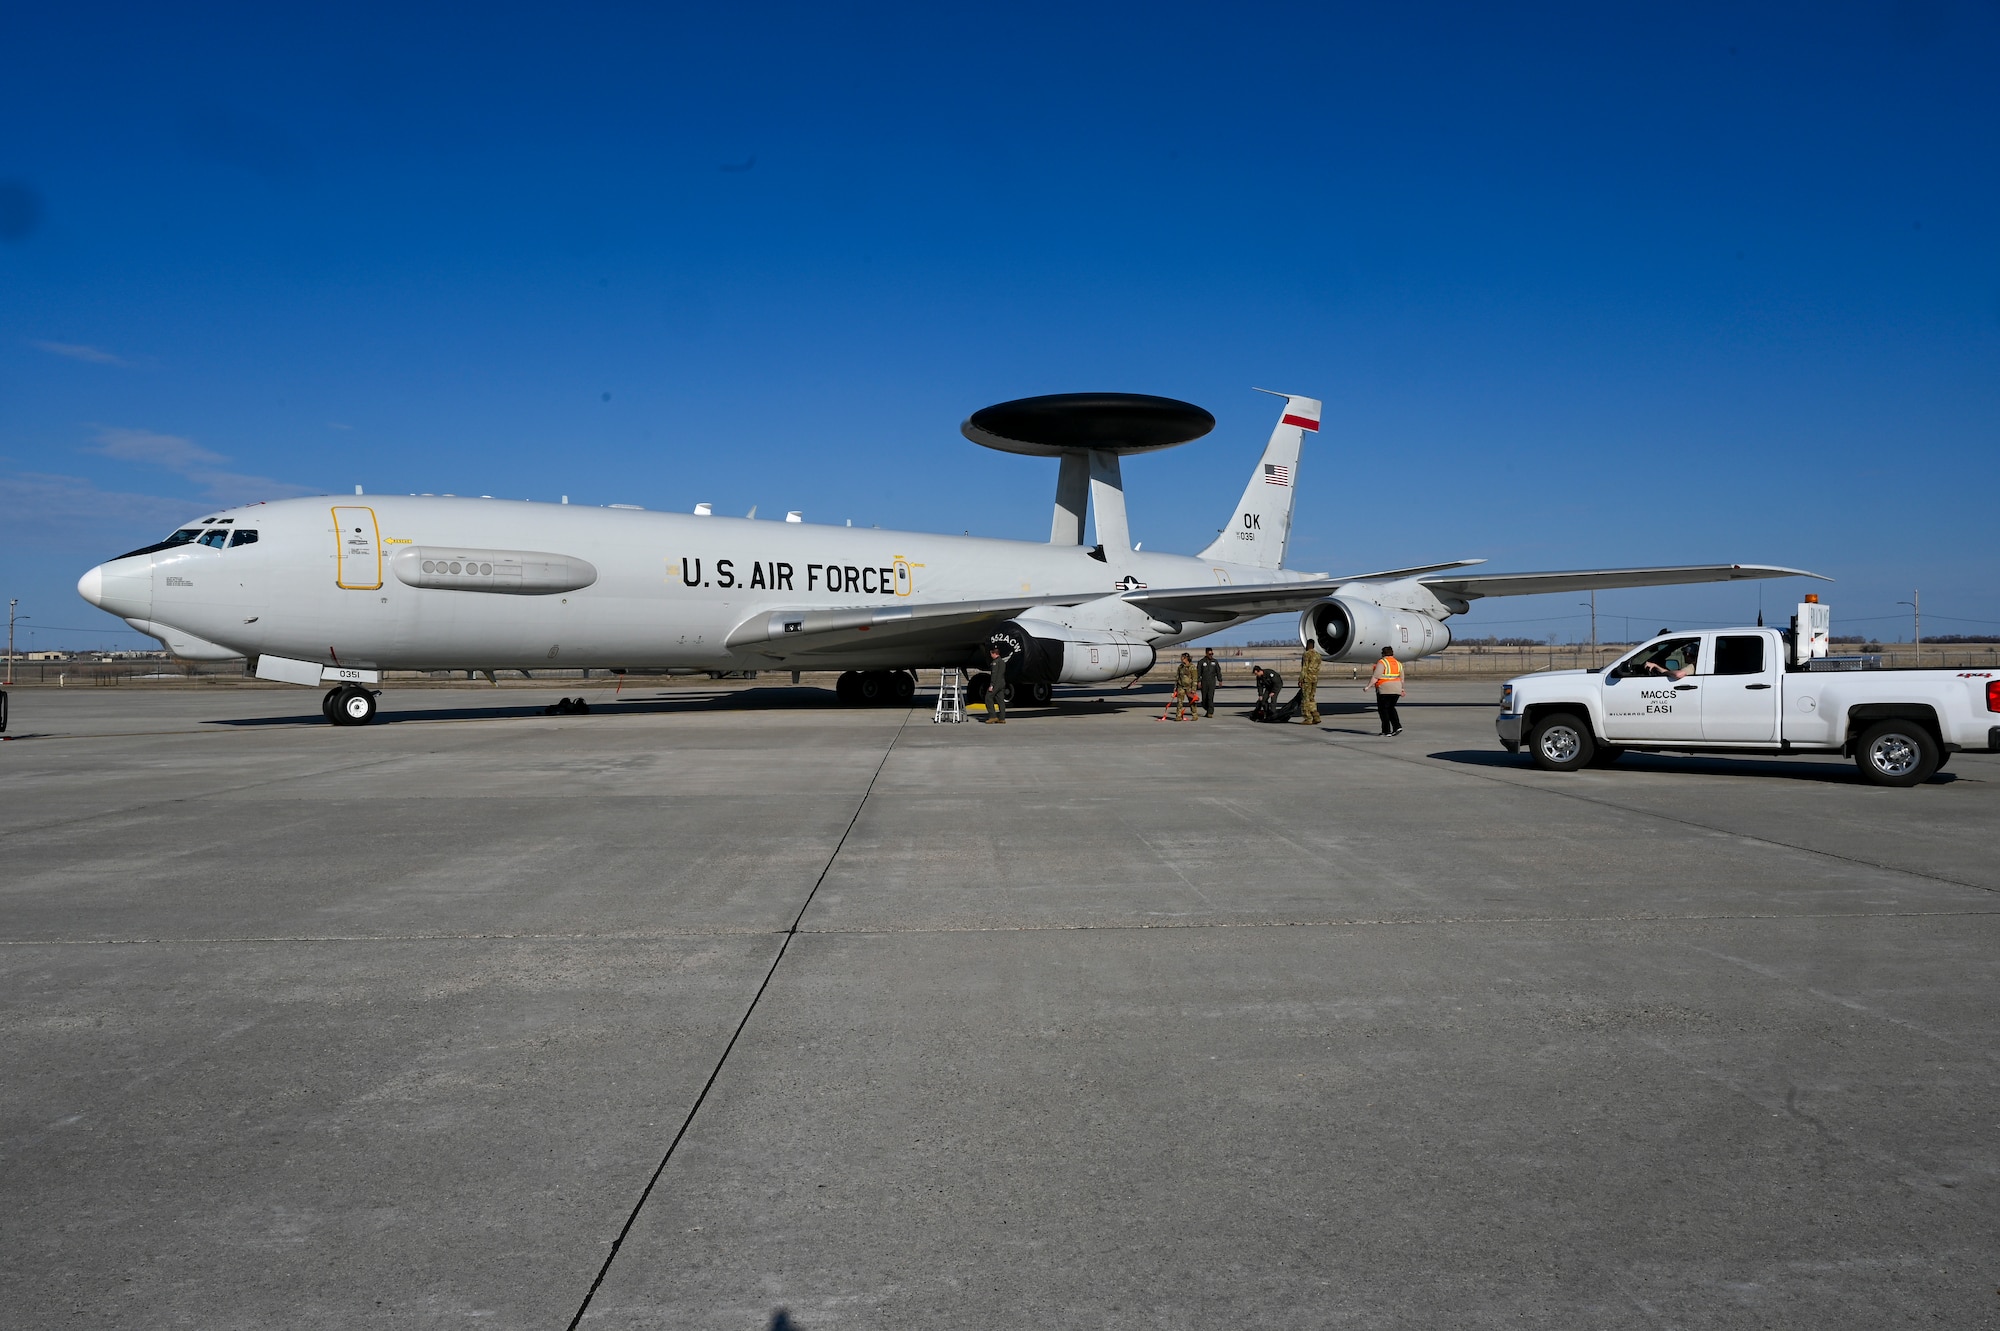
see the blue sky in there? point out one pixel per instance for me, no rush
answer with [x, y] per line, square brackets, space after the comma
[1579, 285]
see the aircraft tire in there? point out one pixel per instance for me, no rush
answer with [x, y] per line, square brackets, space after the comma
[328, 703]
[1561, 742]
[905, 686]
[1896, 753]
[874, 688]
[355, 707]
[848, 687]
[1041, 693]
[976, 687]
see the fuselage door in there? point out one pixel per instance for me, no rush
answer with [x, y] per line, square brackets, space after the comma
[359, 547]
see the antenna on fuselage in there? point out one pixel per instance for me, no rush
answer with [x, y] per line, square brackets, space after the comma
[1089, 432]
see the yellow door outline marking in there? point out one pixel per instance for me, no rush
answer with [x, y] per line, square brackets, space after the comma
[340, 556]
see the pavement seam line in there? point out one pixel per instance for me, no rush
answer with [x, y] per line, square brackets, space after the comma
[1372, 752]
[1329, 922]
[716, 1072]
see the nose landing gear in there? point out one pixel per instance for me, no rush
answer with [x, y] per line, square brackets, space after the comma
[349, 705]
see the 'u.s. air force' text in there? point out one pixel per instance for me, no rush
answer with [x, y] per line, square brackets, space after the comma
[895, 578]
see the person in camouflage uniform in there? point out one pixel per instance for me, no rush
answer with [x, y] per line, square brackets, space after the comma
[1309, 686]
[1186, 690]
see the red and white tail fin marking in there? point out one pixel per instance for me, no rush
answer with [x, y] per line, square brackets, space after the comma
[1261, 527]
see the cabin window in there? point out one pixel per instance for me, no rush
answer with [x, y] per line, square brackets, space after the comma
[1739, 656]
[215, 537]
[247, 536]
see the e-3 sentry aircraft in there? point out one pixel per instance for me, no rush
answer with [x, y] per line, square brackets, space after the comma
[333, 592]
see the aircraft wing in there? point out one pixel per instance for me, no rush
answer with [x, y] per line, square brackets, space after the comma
[786, 634]
[1472, 586]
[1265, 598]
[1217, 603]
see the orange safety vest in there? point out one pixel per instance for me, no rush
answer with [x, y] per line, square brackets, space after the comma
[1391, 668]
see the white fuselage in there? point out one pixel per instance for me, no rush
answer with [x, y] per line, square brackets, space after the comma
[342, 582]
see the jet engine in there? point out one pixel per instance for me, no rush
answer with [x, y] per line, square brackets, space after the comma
[1058, 654]
[1345, 628]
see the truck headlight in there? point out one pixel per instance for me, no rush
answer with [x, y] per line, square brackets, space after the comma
[1506, 697]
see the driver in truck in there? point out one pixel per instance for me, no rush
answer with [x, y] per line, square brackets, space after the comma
[1675, 660]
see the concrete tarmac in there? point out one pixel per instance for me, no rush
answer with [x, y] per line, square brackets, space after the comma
[1089, 1020]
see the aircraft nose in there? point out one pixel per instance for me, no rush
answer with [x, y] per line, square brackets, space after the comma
[122, 586]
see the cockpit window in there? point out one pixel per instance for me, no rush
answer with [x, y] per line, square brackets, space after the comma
[181, 537]
[248, 537]
[216, 537]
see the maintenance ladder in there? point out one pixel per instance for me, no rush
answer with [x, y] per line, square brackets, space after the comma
[951, 696]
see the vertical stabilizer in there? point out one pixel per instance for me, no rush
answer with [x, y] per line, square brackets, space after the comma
[1262, 524]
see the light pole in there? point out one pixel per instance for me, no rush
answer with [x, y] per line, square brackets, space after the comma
[11, 604]
[1592, 603]
[1916, 604]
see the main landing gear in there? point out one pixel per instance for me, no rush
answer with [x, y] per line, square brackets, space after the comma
[349, 705]
[1030, 693]
[876, 688]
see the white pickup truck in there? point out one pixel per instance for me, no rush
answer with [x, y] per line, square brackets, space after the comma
[1753, 691]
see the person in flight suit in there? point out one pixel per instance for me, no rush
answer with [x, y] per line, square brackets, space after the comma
[1387, 681]
[1185, 686]
[996, 692]
[1272, 685]
[1208, 671]
[1309, 686]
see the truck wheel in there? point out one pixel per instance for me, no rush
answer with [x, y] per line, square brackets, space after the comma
[1896, 753]
[1606, 755]
[1560, 743]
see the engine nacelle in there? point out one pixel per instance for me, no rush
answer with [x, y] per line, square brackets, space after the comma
[1347, 629]
[1059, 654]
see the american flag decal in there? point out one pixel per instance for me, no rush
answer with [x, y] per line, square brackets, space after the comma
[1276, 473]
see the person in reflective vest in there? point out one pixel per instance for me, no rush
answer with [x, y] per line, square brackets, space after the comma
[1387, 681]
